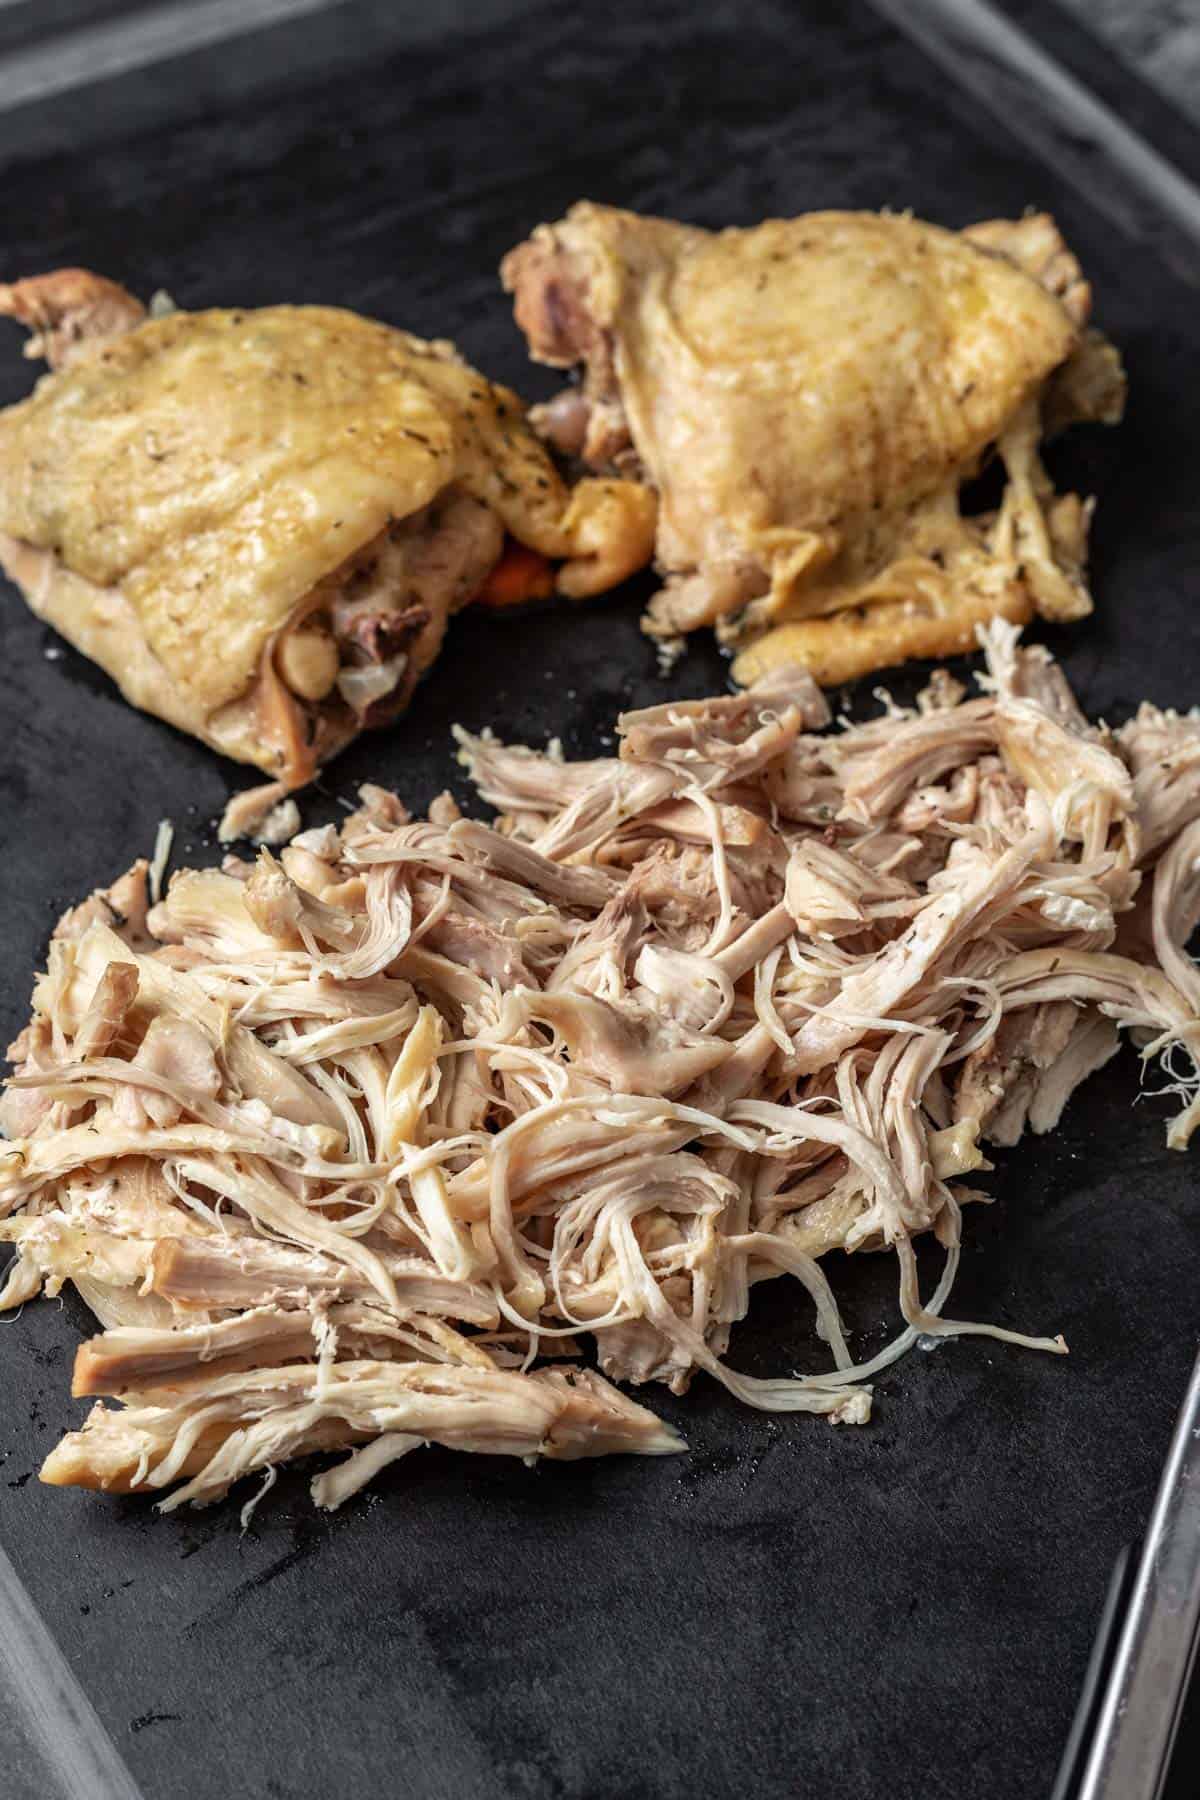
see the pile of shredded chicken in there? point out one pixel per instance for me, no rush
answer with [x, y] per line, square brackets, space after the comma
[345, 1149]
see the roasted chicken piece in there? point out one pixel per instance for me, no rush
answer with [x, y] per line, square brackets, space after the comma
[259, 522]
[807, 399]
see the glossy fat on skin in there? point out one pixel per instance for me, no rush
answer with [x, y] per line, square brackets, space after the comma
[800, 394]
[173, 496]
[99, 622]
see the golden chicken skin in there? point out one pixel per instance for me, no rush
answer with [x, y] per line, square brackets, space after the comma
[259, 522]
[806, 399]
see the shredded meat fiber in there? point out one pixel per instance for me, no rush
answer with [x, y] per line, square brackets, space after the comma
[347, 1148]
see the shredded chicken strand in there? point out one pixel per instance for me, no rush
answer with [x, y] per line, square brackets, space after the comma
[347, 1148]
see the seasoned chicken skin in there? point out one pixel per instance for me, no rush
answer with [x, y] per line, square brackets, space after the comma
[260, 521]
[806, 399]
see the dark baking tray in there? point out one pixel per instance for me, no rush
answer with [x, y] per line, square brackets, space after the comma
[898, 1611]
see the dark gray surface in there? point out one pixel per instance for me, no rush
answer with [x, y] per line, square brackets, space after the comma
[903, 1610]
[1159, 38]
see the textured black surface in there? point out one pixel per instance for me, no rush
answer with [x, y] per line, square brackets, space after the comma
[903, 1610]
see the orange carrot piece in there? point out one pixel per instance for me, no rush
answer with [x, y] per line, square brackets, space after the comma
[521, 574]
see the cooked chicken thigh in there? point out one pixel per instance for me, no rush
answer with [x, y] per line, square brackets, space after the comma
[259, 522]
[807, 398]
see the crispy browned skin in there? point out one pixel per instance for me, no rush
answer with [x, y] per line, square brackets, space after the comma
[844, 646]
